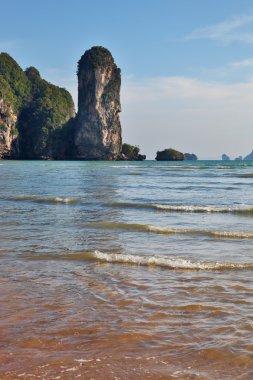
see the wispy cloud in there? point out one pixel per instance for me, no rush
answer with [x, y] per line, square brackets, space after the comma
[207, 118]
[243, 63]
[227, 31]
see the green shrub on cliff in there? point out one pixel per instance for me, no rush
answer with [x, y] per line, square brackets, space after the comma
[169, 155]
[97, 56]
[131, 153]
[6, 91]
[130, 150]
[14, 84]
[50, 109]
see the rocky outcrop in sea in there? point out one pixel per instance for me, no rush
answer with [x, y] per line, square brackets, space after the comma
[249, 157]
[98, 128]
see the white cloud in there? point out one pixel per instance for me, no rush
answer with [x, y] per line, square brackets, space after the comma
[188, 114]
[243, 63]
[227, 31]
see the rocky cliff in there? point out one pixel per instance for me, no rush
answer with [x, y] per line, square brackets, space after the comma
[35, 115]
[98, 129]
[38, 120]
[8, 131]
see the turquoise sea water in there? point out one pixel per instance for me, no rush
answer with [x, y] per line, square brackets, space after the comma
[120, 269]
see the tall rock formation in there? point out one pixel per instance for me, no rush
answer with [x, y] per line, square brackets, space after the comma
[98, 129]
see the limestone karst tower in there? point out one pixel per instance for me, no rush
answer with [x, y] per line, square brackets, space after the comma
[98, 129]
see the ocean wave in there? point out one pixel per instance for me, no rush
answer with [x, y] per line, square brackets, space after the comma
[143, 260]
[34, 198]
[169, 231]
[205, 209]
[185, 208]
[167, 262]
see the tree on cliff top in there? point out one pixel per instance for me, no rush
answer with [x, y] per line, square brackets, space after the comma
[50, 109]
[14, 84]
[97, 56]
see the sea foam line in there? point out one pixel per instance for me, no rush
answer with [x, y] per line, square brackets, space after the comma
[167, 262]
[185, 208]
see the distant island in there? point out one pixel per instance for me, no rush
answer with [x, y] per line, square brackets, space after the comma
[174, 155]
[225, 157]
[249, 157]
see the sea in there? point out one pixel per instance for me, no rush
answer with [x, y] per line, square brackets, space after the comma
[126, 270]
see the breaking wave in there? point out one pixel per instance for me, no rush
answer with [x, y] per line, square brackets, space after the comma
[169, 231]
[186, 208]
[167, 262]
[142, 260]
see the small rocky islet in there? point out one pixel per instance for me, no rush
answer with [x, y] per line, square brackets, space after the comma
[249, 157]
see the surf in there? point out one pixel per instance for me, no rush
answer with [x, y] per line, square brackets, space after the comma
[209, 209]
[169, 231]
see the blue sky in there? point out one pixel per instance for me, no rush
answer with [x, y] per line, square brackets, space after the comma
[187, 66]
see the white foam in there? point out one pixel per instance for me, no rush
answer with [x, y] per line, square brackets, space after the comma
[64, 200]
[204, 209]
[167, 262]
[232, 234]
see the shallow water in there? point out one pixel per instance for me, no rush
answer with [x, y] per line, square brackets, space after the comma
[126, 270]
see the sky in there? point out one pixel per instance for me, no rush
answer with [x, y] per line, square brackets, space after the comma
[187, 65]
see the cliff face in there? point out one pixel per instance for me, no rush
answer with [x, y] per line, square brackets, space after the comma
[8, 131]
[98, 129]
[37, 119]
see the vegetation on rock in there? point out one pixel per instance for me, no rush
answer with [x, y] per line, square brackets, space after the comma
[14, 84]
[169, 155]
[97, 56]
[131, 153]
[50, 109]
[37, 118]
[41, 109]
